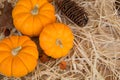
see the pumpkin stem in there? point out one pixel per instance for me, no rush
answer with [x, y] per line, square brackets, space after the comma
[59, 43]
[16, 50]
[35, 10]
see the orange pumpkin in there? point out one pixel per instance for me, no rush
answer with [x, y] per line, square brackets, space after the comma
[18, 56]
[50, 0]
[56, 40]
[30, 16]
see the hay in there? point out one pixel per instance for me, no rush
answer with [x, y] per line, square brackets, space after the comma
[96, 51]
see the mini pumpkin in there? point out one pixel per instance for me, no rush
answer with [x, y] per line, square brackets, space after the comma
[50, 0]
[30, 16]
[56, 40]
[18, 56]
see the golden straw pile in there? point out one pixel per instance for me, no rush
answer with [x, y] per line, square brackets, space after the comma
[96, 51]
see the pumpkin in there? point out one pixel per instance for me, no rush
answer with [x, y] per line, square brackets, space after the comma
[50, 0]
[30, 16]
[56, 40]
[18, 56]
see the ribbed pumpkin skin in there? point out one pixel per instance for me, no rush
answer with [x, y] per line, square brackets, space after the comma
[53, 35]
[32, 24]
[21, 64]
